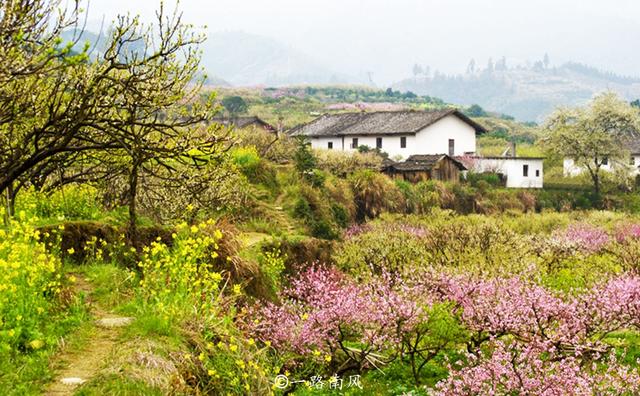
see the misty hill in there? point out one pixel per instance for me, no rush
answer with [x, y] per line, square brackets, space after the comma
[528, 93]
[97, 46]
[97, 42]
[241, 59]
[248, 59]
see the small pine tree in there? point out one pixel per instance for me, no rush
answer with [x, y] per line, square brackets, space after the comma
[304, 159]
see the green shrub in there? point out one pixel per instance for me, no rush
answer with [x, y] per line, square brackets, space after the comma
[323, 229]
[247, 158]
[339, 192]
[302, 210]
[374, 193]
[316, 212]
[340, 163]
[72, 202]
[340, 215]
[419, 198]
[488, 178]
[254, 168]
[272, 265]
[381, 250]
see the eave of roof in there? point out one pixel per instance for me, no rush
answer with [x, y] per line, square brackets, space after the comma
[338, 125]
[508, 158]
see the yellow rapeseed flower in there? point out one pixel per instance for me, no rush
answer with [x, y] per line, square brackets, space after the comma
[36, 344]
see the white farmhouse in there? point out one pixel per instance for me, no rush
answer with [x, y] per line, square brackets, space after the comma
[403, 134]
[570, 168]
[398, 133]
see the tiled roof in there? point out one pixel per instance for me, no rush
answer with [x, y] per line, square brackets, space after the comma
[377, 123]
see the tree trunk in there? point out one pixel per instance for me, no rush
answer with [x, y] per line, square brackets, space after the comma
[9, 208]
[596, 182]
[595, 178]
[414, 368]
[132, 228]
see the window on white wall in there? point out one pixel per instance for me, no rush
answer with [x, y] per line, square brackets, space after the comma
[605, 161]
[452, 147]
[379, 143]
[525, 170]
[403, 142]
[537, 172]
[354, 143]
[330, 145]
[632, 161]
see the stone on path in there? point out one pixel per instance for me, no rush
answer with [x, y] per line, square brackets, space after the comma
[114, 322]
[72, 381]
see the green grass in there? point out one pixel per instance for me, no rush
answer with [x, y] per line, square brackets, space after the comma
[115, 385]
[151, 325]
[112, 284]
[628, 342]
[28, 374]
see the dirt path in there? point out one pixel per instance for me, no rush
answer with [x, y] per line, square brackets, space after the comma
[74, 366]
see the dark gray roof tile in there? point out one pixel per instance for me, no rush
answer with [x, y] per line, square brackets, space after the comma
[377, 123]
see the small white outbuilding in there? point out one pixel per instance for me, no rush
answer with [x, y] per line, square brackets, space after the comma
[520, 172]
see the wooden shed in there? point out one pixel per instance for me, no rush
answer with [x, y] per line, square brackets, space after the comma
[419, 168]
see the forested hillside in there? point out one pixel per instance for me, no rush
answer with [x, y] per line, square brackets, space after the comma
[529, 93]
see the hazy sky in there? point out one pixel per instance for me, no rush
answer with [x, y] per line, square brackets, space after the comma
[388, 37]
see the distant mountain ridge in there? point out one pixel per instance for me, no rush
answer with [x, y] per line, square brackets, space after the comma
[528, 93]
[248, 59]
[241, 59]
